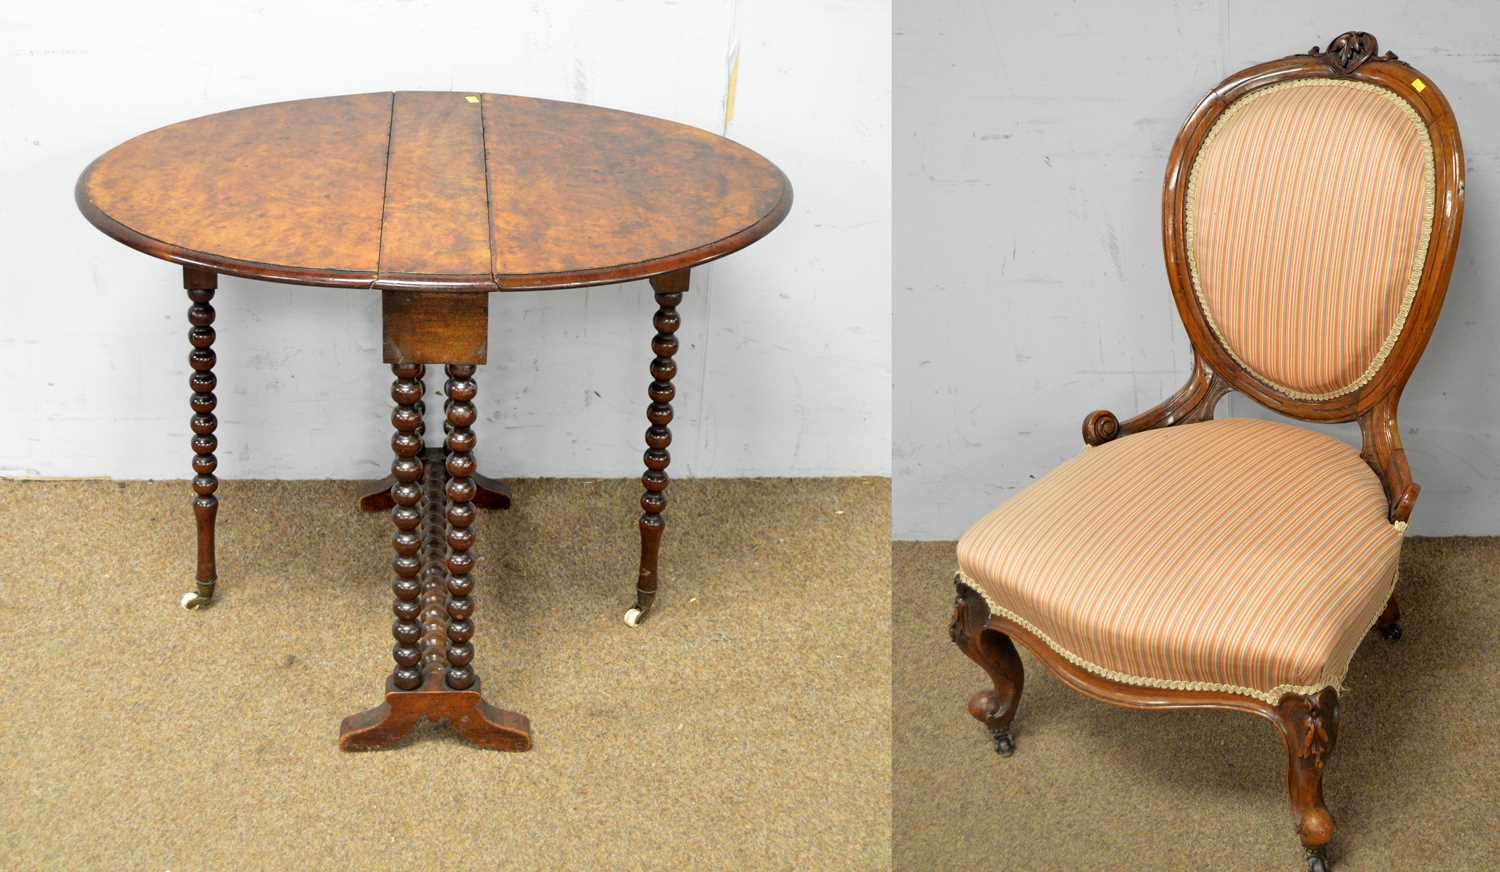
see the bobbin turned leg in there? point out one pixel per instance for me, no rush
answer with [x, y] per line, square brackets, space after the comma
[460, 389]
[375, 496]
[669, 289]
[434, 678]
[407, 469]
[200, 285]
[435, 491]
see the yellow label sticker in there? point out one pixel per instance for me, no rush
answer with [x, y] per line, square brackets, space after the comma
[1419, 85]
[731, 88]
[472, 99]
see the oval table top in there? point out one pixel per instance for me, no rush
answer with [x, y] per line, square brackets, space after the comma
[429, 190]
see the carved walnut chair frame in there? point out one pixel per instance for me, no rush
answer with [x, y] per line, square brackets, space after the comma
[1308, 724]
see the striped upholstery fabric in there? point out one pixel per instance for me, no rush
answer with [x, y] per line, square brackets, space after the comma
[1309, 209]
[1240, 555]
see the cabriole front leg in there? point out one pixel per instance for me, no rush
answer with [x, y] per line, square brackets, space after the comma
[1309, 730]
[200, 285]
[669, 289]
[995, 707]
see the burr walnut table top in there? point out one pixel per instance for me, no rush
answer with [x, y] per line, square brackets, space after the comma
[434, 190]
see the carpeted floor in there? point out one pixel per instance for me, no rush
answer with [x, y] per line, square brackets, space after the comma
[745, 726]
[1414, 783]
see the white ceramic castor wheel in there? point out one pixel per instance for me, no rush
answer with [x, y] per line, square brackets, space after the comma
[192, 601]
[633, 617]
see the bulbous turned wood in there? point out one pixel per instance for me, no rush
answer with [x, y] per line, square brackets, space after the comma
[460, 490]
[375, 496]
[653, 522]
[200, 287]
[434, 603]
[421, 405]
[433, 578]
[406, 515]
[486, 492]
[994, 707]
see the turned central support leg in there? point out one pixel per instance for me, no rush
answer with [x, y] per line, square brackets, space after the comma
[460, 389]
[407, 517]
[375, 496]
[488, 493]
[434, 586]
[669, 289]
[200, 285]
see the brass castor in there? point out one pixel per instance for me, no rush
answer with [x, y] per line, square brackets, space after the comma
[1316, 860]
[636, 614]
[1391, 632]
[193, 601]
[200, 598]
[1005, 744]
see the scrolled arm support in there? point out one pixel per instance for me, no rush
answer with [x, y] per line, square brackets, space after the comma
[1381, 448]
[1194, 402]
[1100, 427]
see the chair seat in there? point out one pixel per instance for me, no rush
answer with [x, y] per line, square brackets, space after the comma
[1239, 555]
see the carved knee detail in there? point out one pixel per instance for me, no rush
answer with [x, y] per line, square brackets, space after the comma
[1309, 727]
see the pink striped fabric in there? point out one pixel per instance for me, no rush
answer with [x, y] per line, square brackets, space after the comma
[1309, 209]
[1239, 555]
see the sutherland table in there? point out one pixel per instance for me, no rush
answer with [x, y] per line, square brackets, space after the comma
[434, 199]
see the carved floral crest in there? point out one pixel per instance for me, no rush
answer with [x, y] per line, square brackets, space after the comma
[1349, 50]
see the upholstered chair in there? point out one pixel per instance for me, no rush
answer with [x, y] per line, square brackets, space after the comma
[1311, 214]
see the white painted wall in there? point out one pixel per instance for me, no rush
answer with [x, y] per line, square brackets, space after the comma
[785, 365]
[1030, 144]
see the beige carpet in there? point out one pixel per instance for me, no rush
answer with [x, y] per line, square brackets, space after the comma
[745, 726]
[1413, 785]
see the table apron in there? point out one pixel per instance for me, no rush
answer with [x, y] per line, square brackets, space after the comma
[437, 327]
